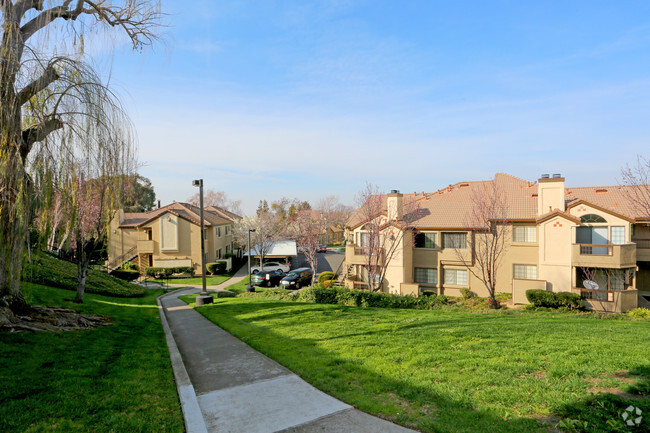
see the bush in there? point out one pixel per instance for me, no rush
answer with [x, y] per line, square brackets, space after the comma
[130, 266]
[361, 298]
[466, 293]
[327, 283]
[183, 270]
[216, 267]
[546, 299]
[125, 274]
[327, 275]
[639, 313]
[158, 273]
[429, 293]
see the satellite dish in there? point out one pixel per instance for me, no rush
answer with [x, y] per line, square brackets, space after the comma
[591, 285]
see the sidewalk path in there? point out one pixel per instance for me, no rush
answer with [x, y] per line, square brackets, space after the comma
[234, 388]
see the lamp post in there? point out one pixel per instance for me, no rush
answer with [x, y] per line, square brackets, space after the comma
[203, 297]
[250, 287]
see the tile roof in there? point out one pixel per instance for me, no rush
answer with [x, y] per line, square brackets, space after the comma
[212, 216]
[450, 207]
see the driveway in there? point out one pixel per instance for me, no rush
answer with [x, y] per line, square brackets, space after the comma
[329, 261]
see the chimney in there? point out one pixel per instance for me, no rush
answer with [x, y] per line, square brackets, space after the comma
[550, 194]
[394, 205]
[158, 204]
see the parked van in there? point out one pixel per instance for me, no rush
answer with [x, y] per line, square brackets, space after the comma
[297, 278]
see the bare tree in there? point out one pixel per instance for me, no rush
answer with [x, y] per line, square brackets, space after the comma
[218, 199]
[333, 212]
[636, 179]
[53, 106]
[306, 228]
[487, 240]
[382, 237]
[268, 230]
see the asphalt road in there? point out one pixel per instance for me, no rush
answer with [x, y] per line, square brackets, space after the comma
[329, 261]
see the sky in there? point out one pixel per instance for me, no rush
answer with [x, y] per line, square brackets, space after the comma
[270, 99]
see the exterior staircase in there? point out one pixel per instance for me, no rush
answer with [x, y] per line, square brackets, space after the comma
[126, 257]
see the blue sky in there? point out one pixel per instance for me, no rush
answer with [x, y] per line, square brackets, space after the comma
[264, 99]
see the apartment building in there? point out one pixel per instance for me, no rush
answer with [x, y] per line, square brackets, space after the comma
[170, 236]
[587, 240]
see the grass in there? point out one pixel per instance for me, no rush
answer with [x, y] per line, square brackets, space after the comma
[239, 287]
[455, 371]
[52, 272]
[213, 280]
[115, 378]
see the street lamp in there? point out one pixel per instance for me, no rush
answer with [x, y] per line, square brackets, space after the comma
[250, 287]
[203, 297]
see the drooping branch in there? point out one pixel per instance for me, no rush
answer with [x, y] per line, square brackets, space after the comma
[38, 133]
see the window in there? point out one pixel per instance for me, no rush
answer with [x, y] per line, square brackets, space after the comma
[218, 253]
[227, 230]
[425, 240]
[524, 234]
[591, 218]
[205, 234]
[525, 272]
[454, 240]
[218, 231]
[365, 240]
[426, 275]
[618, 235]
[227, 249]
[456, 277]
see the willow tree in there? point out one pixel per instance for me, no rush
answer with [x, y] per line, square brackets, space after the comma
[53, 106]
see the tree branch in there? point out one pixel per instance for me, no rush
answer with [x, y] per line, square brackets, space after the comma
[38, 133]
[49, 76]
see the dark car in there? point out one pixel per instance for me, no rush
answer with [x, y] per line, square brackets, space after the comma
[267, 278]
[297, 278]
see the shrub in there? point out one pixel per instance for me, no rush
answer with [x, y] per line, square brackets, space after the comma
[569, 300]
[639, 313]
[216, 267]
[466, 293]
[226, 294]
[126, 274]
[545, 299]
[158, 273]
[361, 298]
[327, 275]
[327, 283]
[429, 293]
[130, 266]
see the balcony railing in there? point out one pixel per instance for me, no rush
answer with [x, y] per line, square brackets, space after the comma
[598, 295]
[605, 255]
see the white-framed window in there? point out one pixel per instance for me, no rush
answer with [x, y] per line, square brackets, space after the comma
[227, 249]
[218, 229]
[227, 230]
[525, 272]
[426, 275]
[617, 235]
[456, 277]
[454, 240]
[426, 240]
[524, 234]
[218, 254]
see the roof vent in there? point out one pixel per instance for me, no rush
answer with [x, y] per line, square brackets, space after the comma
[545, 176]
[463, 185]
[557, 175]
[601, 191]
[394, 191]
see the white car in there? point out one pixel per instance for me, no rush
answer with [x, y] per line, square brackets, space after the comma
[272, 266]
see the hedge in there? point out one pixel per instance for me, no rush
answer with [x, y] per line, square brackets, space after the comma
[546, 299]
[126, 274]
[216, 267]
[327, 275]
[360, 298]
[158, 273]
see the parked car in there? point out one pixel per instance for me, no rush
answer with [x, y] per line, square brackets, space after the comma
[272, 266]
[321, 248]
[297, 278]
[267, 278]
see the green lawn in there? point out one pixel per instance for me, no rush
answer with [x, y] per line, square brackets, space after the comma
[115, 378]
[213, 280]
[455, 371]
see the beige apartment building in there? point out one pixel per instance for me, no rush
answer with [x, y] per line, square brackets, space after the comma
[170, 237]
[556, 239]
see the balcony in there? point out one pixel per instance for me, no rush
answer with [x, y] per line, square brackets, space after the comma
[604, 256]
[610, 301]
[145, 247]
[642, 249]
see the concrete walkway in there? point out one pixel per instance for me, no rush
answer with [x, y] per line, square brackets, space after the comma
[226, 386]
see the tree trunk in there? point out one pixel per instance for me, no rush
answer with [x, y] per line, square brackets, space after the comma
[83, 261]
